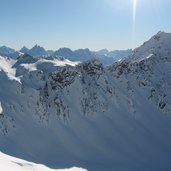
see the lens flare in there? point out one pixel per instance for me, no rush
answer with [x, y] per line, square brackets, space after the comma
[134, 10]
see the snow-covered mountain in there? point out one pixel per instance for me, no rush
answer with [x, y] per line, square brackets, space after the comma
[6, 50]
[116, 54]
[9, 52]
[24, 50]
[158, 45]
[106, 57]
[37, 51]
[63, 114]
[77, 55]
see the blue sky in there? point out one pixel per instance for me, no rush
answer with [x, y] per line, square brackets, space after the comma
[94, 24]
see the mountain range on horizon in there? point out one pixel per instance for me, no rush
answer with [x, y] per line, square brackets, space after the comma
[63, 113]
[105, 56]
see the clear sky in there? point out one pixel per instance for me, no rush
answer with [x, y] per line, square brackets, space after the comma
[94, 24]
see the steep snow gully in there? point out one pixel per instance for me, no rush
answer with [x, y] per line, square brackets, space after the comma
[64, 114]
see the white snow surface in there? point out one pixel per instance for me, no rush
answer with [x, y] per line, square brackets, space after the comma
[1, 110]
[55, 62]
[6, 66]
[9, 163]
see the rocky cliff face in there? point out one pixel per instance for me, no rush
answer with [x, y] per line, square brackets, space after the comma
[63, 113]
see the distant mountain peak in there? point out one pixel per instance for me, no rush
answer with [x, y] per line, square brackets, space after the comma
[161, 32]
[24, 49]
[6, 50]
[37, 51]
[37, 47]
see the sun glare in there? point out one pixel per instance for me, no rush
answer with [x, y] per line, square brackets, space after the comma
[134, 10]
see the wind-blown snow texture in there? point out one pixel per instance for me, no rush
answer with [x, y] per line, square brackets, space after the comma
[8, 163]
[64, 114]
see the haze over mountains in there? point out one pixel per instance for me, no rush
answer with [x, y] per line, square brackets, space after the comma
[105, 56]
[64, 113]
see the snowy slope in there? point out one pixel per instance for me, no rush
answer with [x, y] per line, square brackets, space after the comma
[64, 114]
[6, 67]
[158, 45]
[8, 163]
